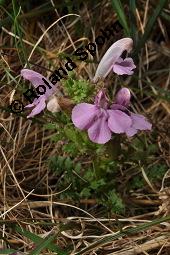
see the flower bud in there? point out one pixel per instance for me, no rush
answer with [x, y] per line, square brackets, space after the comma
[53, 105]
[123, 97]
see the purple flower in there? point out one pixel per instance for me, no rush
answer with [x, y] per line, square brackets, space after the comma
[39, 103]
[99, 120]
[112, 60]
[124, 66]
[139, 122]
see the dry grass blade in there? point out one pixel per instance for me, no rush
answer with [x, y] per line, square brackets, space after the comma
[145, 247]
[150, 24]
[123, 233]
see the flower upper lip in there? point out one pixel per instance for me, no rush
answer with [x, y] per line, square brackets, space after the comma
[36, 79]
[111, 56]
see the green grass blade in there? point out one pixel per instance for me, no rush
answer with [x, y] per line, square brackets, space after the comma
[17, 31]
[43, 245]
[7, 251]
[117, 5]
[132, 20]
[2, 2]
[43, 9]
[123, 233]
[150, 24]
[39, 241]
[165, 16]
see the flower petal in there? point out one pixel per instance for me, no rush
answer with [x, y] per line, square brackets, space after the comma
[118, 121]
[101, 100]
[139, 122]
[99, 132]
[124, 66]
[36, 79]
[40, 105]
[123, 97]
[131, 131]
[111, 56]
[83, 115]
[35, 102]
[29, 105]
[118, 107]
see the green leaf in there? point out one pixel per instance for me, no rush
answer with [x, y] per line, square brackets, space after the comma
[74, 136]
[115, 202]
[43, 245]
[68, 164]
[50, 126]
[97, 183]
[40, 241]
[117, 5]
[86, 192]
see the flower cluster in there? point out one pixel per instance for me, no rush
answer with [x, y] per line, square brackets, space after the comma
[100, 119]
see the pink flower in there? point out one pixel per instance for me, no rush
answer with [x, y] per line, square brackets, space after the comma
[139, 122]
[99, 120]
[39, 102]
[124, 66]
[112, 60]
